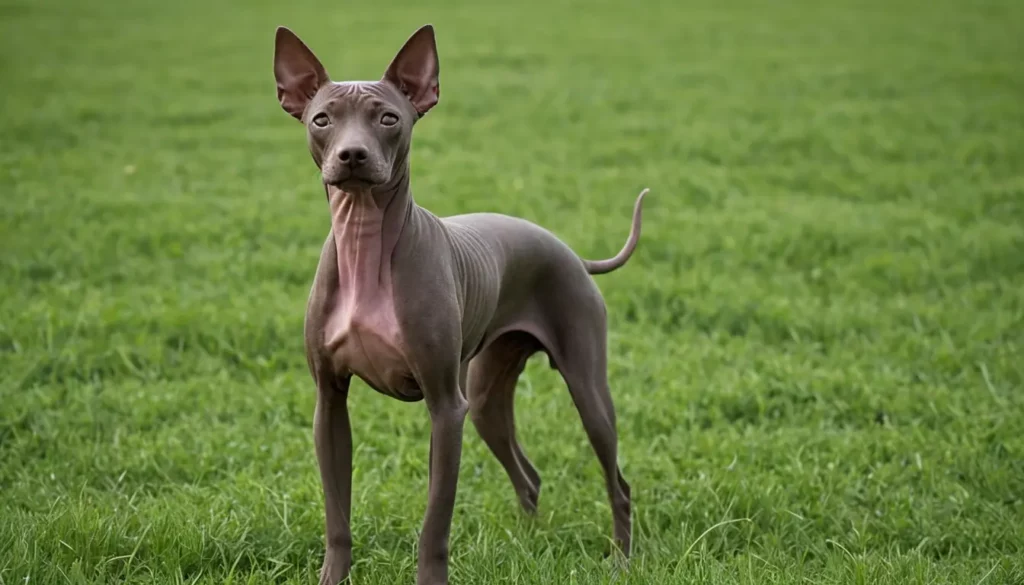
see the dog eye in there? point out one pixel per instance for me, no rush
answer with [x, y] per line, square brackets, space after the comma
[389, 119]
[320, 120]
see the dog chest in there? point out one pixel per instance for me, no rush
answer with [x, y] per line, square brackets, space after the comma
[364, 340]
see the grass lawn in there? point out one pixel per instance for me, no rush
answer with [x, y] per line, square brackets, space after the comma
[817, 352]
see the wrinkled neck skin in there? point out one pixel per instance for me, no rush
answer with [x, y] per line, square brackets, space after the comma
[367, 226]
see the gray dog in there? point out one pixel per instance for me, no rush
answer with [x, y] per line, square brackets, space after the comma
[424, 308]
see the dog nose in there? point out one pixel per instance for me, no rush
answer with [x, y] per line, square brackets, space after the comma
[353, 155]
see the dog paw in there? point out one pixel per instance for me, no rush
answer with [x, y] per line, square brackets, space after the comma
[529, 499]
[335, 569]
[617, 553]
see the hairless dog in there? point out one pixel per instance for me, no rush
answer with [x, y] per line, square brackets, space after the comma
[445, 310]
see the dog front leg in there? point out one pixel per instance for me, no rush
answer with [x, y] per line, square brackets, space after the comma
[333, 438]
[447, 418]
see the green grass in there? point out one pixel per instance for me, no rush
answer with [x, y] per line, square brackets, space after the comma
[816, 353]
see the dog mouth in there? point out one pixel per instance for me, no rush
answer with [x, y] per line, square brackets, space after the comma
[352, 181]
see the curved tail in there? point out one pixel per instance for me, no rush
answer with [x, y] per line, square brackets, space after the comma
[604, 266]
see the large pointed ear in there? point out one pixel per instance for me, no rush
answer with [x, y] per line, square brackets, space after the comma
[299, 73]
[414, 70]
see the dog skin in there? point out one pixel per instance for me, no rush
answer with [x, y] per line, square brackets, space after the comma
[444, 310]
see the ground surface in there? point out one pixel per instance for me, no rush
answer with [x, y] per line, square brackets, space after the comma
[815, 353]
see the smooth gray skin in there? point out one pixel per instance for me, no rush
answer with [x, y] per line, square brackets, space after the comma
[447, 310]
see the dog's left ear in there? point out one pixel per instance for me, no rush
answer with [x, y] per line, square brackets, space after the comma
[415, 69]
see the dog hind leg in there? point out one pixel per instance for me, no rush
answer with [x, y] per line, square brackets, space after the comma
[491, 389]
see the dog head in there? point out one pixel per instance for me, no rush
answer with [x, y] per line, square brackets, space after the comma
[357, 130]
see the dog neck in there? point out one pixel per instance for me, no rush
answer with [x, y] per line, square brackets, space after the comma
[366, 226]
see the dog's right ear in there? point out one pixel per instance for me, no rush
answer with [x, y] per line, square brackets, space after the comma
[299, 73]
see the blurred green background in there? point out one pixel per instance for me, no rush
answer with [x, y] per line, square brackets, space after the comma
[815, 352]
